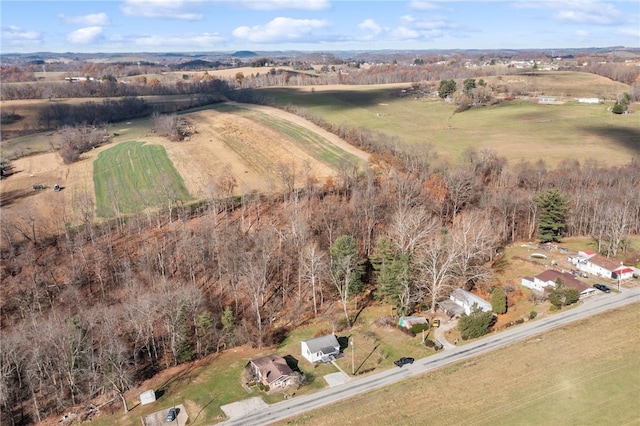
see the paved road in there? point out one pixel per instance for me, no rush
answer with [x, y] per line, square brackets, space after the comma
[298, 405]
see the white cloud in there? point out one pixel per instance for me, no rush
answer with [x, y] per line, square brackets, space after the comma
[404, 33]
[581, 33]
[95, 19]
[16, 36]
[631, 32]
[284, 4]
[279, 29]
[423, 5]
[176, 9]
[199, 41]
[578, 11]
[372, 29]
[423, 24]
[85, 35]
[370, 24]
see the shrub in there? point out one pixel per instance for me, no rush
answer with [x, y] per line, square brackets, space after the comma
[476, 324]
[419, 328]
[533, 314]
[498, 301]
[563, 296]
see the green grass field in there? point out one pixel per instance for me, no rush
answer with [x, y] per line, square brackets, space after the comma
[518, 130]
[132, 176]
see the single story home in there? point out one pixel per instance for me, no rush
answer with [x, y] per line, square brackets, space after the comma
[272, 370]
[547, 280]
[595, 264]
[468, 300]
[410, 321]
[321, 349]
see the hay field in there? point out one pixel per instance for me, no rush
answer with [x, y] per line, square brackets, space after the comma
[587, 373]
[249, 142]
[132, 176]
[518, 130]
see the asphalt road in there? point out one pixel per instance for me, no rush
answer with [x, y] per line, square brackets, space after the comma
[299, 405]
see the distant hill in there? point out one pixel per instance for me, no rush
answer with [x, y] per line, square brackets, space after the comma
[196, 64]
[244, 54]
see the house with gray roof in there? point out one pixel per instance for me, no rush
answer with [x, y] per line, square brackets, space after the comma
[321, 349]
[467, 300]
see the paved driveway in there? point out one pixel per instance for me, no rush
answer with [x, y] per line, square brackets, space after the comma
[159, 418]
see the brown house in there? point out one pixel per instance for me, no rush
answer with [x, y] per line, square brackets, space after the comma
[272, 370]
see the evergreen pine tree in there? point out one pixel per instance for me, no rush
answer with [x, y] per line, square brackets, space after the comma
[554, 207]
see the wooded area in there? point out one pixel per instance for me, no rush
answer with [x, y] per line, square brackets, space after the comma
[92, 311]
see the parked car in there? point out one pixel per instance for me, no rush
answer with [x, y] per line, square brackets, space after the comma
[404, 360]
[435, 323]
[171, 415]
[602, 287]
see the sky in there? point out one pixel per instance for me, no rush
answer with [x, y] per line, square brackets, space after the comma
[313, 25]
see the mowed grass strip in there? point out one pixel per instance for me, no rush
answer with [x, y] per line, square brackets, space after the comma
[133, 176]
[308, 141]
[587, 373]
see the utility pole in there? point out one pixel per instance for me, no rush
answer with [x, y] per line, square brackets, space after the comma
[353, 358]
[619, 276]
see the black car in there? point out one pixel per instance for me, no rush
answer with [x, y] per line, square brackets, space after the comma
[602, 287]
[171, 415]
[404, 360]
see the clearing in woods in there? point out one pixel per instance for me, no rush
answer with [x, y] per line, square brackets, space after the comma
[248, 141]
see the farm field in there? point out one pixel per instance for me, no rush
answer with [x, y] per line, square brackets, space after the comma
[246, 141]
[563, 377]
[132, 176]
[518, 130]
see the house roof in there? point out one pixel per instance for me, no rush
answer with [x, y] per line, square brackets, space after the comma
[469, 298]
[272, 367]
[623, 270]
[325, 344]
[550, 276]
[605, 262]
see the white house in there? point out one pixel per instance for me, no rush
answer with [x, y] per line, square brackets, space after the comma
[321, 349]
[468, 300]
[547, 280]
[595, 264]
[588, 100]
